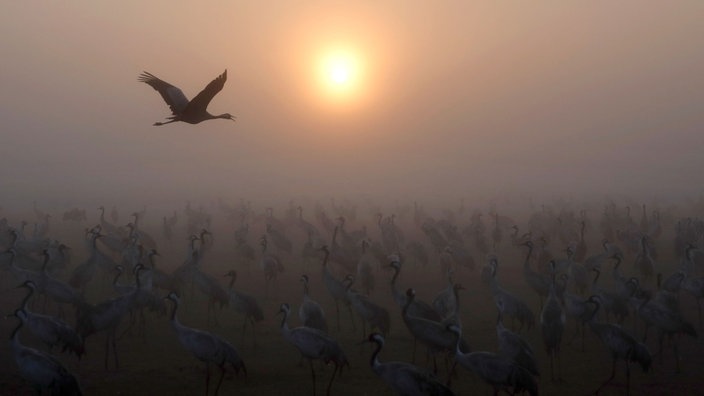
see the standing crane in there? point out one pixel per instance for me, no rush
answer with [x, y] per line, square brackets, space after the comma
[310, 312]
[513, 346]
[432, 334]
[41, 369]
[512, 305]
[494, 369]
[313, 344]
[49, 329]
[246, 305]
[621, 345]
[337, 288]
[207, 347]
[552, 321]
[405, 378]
[193, 111]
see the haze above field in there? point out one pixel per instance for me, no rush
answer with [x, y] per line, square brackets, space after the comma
[450, 100]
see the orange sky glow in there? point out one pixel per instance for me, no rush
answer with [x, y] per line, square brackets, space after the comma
[446, 100]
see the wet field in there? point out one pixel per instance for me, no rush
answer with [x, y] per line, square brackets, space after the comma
[154, 362]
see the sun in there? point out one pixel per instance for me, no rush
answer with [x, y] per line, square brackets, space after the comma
[340, 73]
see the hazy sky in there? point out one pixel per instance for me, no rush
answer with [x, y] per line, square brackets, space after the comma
[455, 98]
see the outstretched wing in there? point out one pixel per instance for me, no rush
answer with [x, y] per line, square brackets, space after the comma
[173, 96]
[201, 101]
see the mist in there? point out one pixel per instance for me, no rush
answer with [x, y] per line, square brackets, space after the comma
[462, 100]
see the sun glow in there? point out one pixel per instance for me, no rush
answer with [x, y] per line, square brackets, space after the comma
[340, 74]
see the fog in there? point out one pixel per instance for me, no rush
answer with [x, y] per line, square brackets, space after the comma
[561, 118]
[459, 100]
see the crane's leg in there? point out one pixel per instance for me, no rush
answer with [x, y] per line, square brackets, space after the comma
[312, 373]
[337, 310]
[576, 333]
[628, 377]
[354, 326]
[113, 338]
[254, 332]
[207, 377]
[107, 348]
[676, 351]
[415, 341]
[244, 327]
[331, 378]
[645, 332]
[222, 374]
[449, 376]
[661, 337]
[613, 374]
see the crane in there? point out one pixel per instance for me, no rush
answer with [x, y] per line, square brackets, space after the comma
[494, 369]
[512, 306]
[552, 321]
[370, 312]
[337, 288]
[41, 369]
[313, 344]
[513, 346]
[246, 305]
[432, 334]
[193, 111]
[621, 345]
[310, 312]
[205, 346]
[405, 378]
[50, 330]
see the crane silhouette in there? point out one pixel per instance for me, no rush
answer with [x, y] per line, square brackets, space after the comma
[405, 378]
[41, 370]
[193, 111]
[314, 344]
[620, 344]
[206, 347]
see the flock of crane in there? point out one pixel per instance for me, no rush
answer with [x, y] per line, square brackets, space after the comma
[594, 282]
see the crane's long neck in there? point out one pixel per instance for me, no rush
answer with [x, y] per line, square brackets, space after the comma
[174, 318]
[393, 278]
[458, 335]
[334, 236]
[27, 297]
[526, 263]
[409, 301]
[596, 277]
[456, 292]
[597, 306]
[136, 277]
[493, 283]
[616, 273]
[45, 264]
[325, 261]
[14, 337]
[374, 361]
[284, 322]
[398, 296]
[117, 276]
[500, 320]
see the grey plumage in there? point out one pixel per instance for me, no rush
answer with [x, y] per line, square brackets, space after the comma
[313, 344]
[404, 378]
